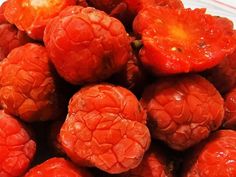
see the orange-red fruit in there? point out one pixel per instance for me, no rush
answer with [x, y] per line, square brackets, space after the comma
[10, 38]
[183, 110]
[27, 86]
[57, 167]
[230, 110]
[223, 76]
[2, 18]
[171, 44]
[215, 157]
[33, 15]
[154, 164]
[86, 45]
[105, 128]
[17, 148]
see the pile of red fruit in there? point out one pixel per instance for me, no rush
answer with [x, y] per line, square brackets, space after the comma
[126, 88]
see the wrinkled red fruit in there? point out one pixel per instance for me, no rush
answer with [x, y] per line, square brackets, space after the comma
[171, 44]
[223, 76]
[215, 157]
[56, 167]
[86, 45]
[33, 15]
[105, 128]
[2, 18]
[230, 110]
[10, 38]
[154, 164]
[183, 110]
[27, 85]
[16, 147]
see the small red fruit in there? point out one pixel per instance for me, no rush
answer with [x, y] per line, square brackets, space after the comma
[57, 167]
[86, 45]
[33, 15]
[182, 40]
[105, 128]
[27, 84]
[183, 110]
[17, 149]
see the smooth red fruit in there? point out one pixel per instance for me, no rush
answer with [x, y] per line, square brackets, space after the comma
[215, 157]
[105, 127]
[154, 164]
[183, 40]
[230, 110]
[10, 38]
[57, 167]
[86, 45]
[183, 110]
[17, 149]
[27, 84]
[33, 15]
[223, 76]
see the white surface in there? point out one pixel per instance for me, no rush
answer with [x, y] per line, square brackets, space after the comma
[224, 8]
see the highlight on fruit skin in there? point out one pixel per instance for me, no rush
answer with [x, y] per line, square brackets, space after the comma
[182, 110]
[27, 84]
[57, 167]
[32, 16]
[214, 157]
[183, 40]
[86, 45]
[17, 147]
[105, 128]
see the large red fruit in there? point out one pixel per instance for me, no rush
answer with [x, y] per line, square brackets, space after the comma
[86, 45]
[183, 110]
[10, 38]
[154, 164]
[33, 15]
[57, 167]
[27, 85]
[230, 110]
[223, 76]
[105, 128]
[182, 40]
[16, 147]
[215, 157]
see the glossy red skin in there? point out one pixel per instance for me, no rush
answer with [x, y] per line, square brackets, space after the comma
[86, 45]
[105, 128]
[27, 85]
[223, 76]
[57, 167]
[32, 18]
[215, 157]
[230, 110]
[2, 18]
[182, 110]
[17, 149]
[171, 45]
[10, 38]
[154, 164]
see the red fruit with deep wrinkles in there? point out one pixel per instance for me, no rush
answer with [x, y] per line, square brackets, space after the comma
[105, 128]
[33, 15]
[173, 45]
[10, 38]
[16, 147]
[86, 45]
[215, 157]
[230, 110]
[57, 167]
[223, 76]
[27, 85]
[154, 164]
[183, 110]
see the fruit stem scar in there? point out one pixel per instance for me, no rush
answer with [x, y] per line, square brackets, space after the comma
[137, 44]
[176, 49]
